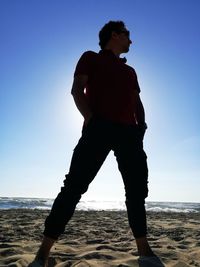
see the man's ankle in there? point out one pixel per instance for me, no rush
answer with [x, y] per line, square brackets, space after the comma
[42, 257]
[44, 250]
[42, 261]
[143, 247]
[146, 253]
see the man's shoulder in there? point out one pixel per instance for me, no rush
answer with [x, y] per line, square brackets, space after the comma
[130, 68]
[89, 53]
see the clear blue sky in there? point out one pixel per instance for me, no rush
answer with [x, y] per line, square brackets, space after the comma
[41, 42]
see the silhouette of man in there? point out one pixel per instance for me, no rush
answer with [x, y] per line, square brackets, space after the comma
[106, 92]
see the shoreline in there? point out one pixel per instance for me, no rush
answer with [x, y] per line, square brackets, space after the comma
[89, 205]
[100, 238]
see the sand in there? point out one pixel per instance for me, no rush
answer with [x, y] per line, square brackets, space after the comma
[99, 238]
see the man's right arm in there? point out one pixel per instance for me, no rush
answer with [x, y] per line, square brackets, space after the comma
[80, 99]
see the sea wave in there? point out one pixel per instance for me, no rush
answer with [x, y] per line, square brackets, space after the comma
[46, 203]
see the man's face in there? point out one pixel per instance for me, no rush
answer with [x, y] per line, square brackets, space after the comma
[124, 39]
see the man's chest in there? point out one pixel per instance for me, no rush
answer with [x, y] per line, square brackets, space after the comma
[105, 70]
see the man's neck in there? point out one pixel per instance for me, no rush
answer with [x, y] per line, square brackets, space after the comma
[115, 51]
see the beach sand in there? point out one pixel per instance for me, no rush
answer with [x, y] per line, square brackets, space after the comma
[99, 238]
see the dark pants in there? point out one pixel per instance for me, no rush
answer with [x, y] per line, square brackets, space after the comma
[97, 140]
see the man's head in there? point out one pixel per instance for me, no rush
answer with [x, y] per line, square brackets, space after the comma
[114, 34]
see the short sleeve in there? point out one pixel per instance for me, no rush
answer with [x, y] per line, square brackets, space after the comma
[137, 84]
[85, 64]
[137, 87]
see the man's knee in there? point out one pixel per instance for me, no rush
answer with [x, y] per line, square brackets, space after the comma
[137, 192]
[74, 186]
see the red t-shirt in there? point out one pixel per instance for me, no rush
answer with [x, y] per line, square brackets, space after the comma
[110, 87]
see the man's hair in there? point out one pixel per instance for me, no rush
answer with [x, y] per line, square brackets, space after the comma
[106, 32]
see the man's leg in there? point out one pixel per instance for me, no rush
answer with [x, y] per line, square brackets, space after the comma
[132, 164]
[88, 157]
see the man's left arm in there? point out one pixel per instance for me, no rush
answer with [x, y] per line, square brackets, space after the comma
[139, 113]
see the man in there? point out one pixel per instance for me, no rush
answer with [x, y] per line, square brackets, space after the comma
[106, 92]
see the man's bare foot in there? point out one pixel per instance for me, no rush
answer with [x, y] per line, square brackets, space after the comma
[37, 263]
[41, 259]
[154, 261]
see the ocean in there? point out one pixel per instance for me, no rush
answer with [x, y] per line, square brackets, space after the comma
[44, 203]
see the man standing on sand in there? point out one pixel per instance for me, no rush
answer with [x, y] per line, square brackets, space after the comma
[106, 92]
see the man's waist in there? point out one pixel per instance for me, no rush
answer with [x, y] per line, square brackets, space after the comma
[114, 119]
